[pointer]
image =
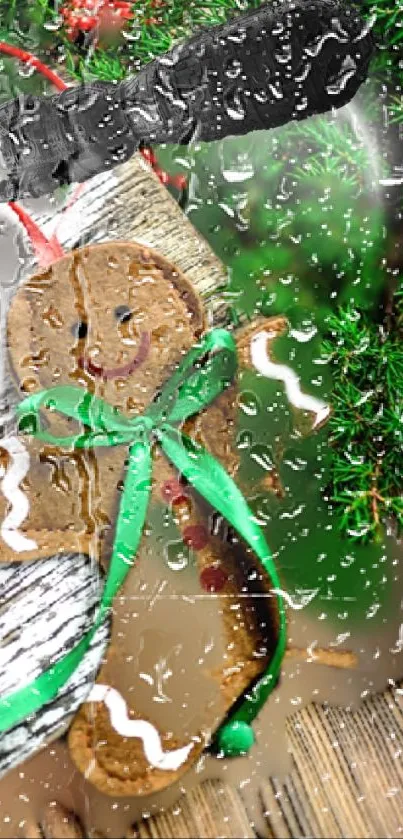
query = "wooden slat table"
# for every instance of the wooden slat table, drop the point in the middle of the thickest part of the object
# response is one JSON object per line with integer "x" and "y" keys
{"x": 347, "y": 774}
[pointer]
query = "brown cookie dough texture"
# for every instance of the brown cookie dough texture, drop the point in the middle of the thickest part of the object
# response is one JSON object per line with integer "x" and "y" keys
{"x": 116, "y": 319}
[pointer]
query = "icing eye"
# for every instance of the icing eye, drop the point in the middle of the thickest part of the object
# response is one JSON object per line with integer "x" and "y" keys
{"x": 80, "y": 329}
{"x": 123, "y": 314}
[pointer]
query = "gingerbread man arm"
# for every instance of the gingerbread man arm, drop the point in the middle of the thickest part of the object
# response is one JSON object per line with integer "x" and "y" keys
{"x": 271, "y": 327}
{"x": 254, "y": 345}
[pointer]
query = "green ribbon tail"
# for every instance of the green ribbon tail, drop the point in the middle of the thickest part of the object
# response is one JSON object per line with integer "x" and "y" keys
{"x": 26, "y": 701}
{"x": 211, "y": 480}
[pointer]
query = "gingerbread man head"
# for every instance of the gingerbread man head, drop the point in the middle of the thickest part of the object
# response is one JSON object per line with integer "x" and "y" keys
{"x": 114, "y": 319}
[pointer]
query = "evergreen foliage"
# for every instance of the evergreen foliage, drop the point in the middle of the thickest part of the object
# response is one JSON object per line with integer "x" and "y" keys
{"x": 366, "y": 430}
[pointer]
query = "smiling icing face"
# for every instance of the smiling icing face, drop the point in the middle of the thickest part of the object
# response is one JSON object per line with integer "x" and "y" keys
{"x": 113, "y": 319}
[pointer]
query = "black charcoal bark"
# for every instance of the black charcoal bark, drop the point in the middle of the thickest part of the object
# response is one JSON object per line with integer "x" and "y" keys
{"x": 284, "y": 61}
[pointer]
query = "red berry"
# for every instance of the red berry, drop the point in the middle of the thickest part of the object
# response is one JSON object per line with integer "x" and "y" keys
{"x": 212, "y": 579}
{"x": 173, "y": 491}
{"x": 196, "y": 536}
{"x": 86, "y": 15}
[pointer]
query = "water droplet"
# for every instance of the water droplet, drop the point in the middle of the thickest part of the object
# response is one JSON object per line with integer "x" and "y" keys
{"x": 131, "y": 34}
{"x": 239, "y": 174}
{"x": 249, "y": 404}
{"x": 26, "y": 70}
{"x": 299, "y": 598}
{"x": 233, "y": 103}
{"x": 176, "y": 556}
{"x": 233, "y": 68}
{"x": 303, "y": 336}
{"x": 262, "y": 456}
{"x": 54, "y": 24}
{"x": 244, "y": 440}
{"x": 347, "y": 70}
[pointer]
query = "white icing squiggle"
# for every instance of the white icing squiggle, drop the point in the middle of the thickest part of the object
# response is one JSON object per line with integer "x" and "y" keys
{"x": 282, "y": 373}
{"x": 145, "y": 731}
{"x": 10, "y": 487}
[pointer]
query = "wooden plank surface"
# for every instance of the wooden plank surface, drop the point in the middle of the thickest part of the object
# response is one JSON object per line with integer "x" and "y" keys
{"x": 346, "y": 781}
{"x": 347, "y": 775}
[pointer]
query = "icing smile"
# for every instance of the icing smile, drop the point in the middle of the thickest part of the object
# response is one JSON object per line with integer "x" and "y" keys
{"x": 119, "y": 372}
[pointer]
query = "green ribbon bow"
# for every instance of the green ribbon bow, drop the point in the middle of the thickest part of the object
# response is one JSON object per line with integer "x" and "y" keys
{"x": 203, "y": 374}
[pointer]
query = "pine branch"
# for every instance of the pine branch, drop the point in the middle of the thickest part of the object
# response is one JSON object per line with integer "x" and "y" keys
{"x": 365, "y": 428}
